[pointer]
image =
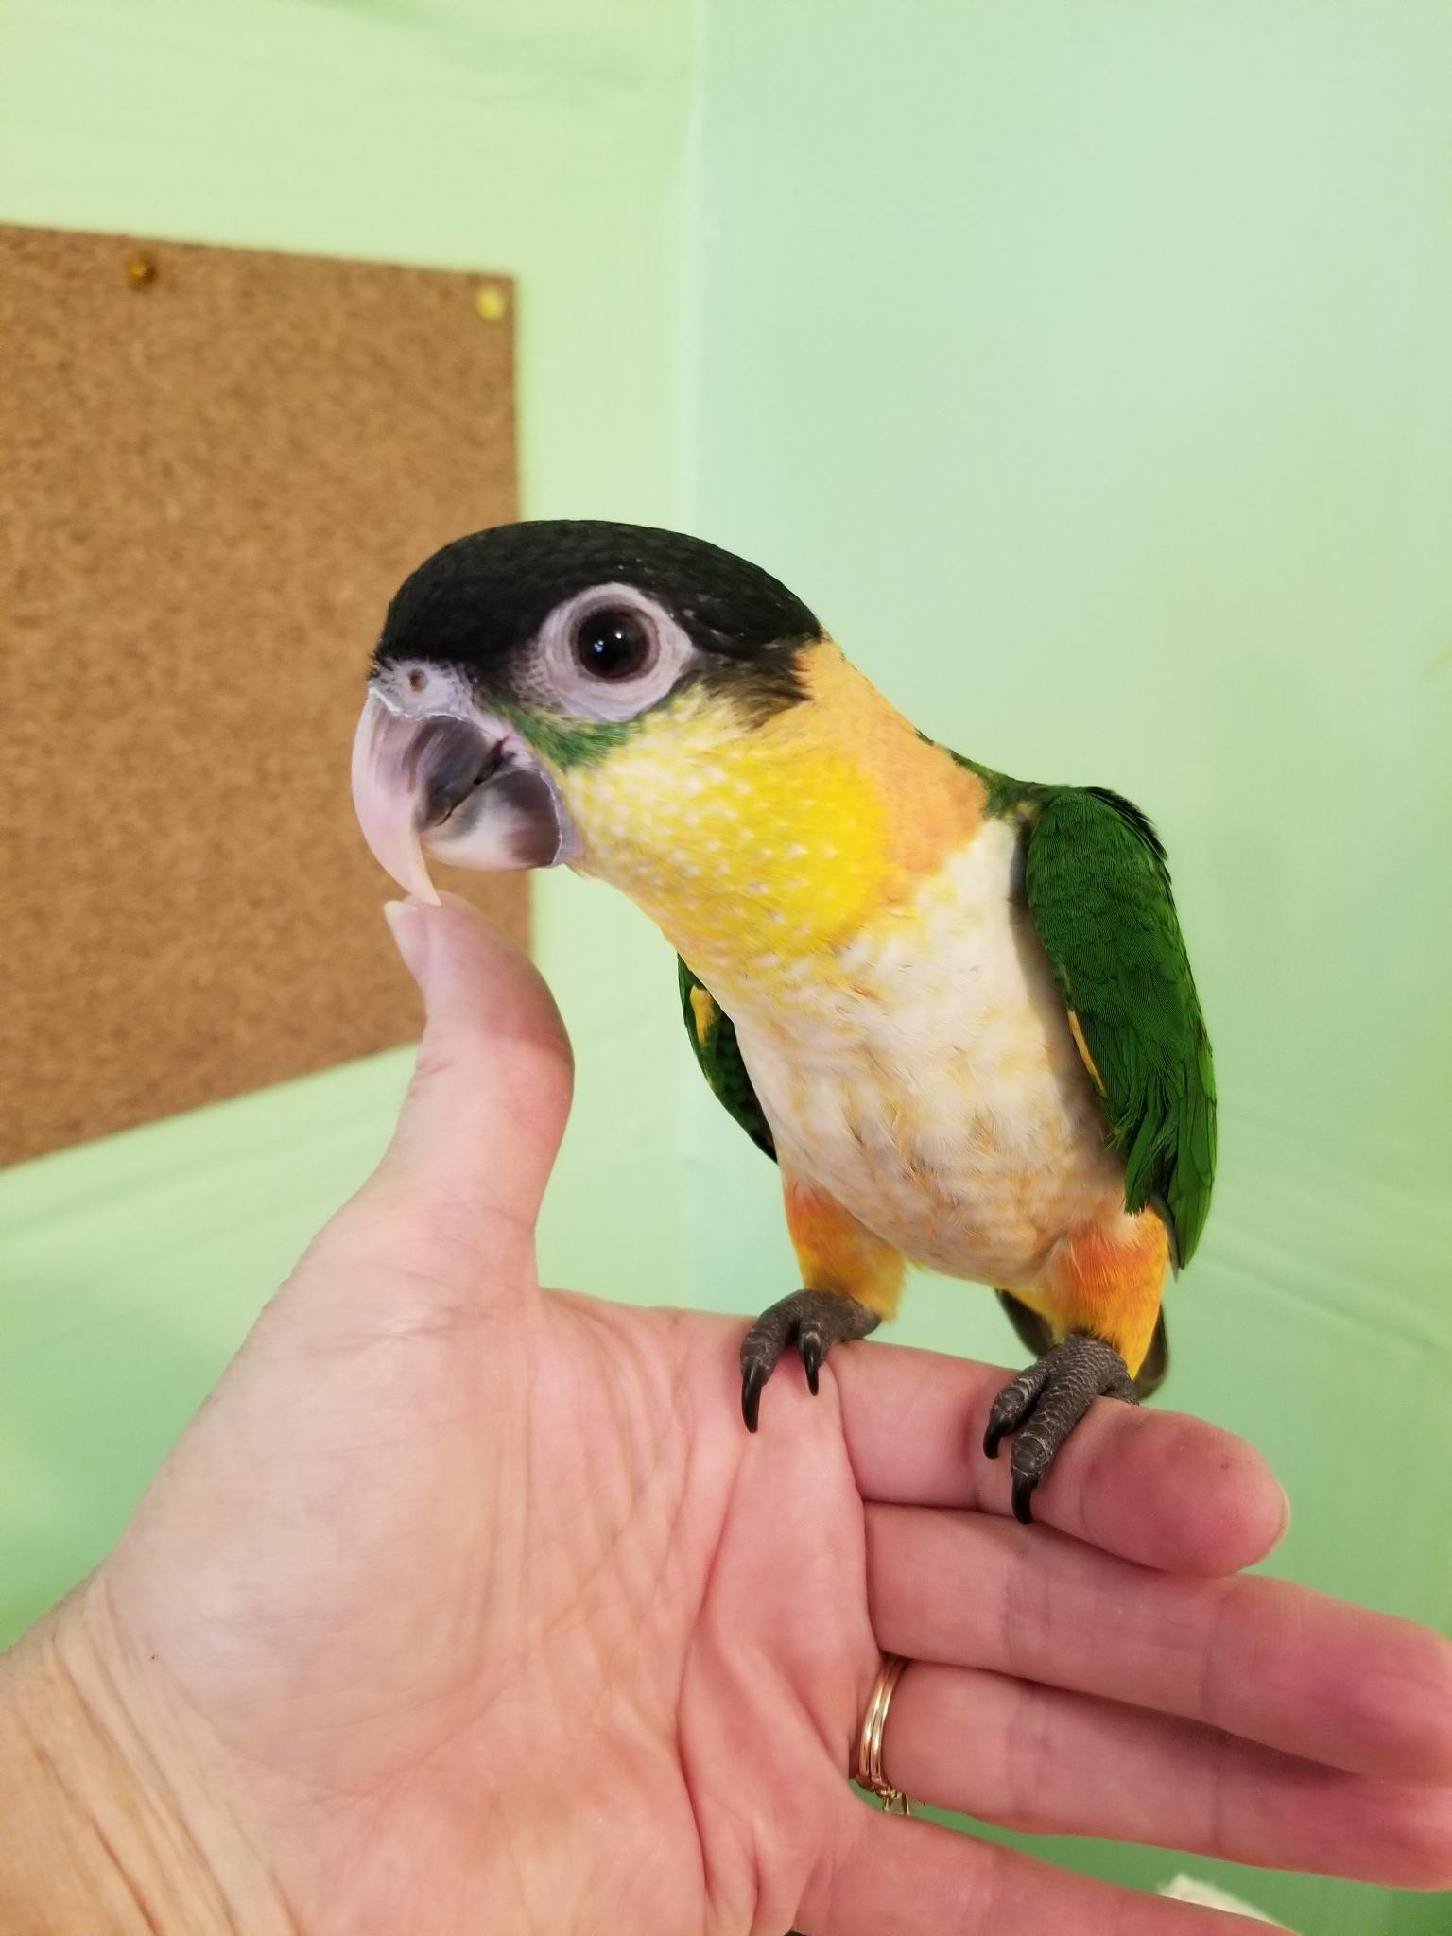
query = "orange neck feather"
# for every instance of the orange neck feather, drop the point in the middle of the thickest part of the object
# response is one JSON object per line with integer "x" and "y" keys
{"x": 753, "y": 848}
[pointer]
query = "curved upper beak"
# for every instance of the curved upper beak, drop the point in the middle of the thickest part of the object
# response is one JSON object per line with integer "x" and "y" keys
{"x": 462, "y": 785}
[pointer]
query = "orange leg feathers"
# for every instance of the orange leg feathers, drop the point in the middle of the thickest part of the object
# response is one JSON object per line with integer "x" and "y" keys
{"x": 850, "y": 1279}
{"x": 836, "y": 1254}
{"x": 1108, "y": 1281}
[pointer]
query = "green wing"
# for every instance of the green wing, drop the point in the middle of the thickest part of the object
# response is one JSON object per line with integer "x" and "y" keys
{"x": 1099, "y": 893}
{"x": 713, "y": 1037}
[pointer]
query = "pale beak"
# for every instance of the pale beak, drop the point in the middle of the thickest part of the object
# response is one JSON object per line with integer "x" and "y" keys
{"x": 461, "y": 784}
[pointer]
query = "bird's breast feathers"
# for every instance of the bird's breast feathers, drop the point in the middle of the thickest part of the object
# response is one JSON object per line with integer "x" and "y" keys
{"x": 925, "y": 1075}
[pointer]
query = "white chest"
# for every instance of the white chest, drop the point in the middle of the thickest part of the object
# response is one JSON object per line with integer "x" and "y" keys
{"x": 927, "y": 1080}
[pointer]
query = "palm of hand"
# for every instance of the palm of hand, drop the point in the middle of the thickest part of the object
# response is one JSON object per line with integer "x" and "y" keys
{"x": 479, "y": 1608}
{"x": 685, "y": 1609}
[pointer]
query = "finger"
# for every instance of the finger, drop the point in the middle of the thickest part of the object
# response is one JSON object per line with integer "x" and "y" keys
{"x": 481, "y": 1124}
{"x": 1157, "y": 1487}
{"x": 1262, "y": 1659}
{"x": 905, "y": 1877}
{"x": 1045, "y": 1762}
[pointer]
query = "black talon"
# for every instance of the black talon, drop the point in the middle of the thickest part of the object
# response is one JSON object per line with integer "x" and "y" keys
{"x": 1043, "y": 1404}
{"x": 814, "y": 1321}
{"x": 753, "y": 1383}
{"x": 1013, "y": 1405}
{"x": 810, "y": 1346}
{"x": 1024, "y": 1486}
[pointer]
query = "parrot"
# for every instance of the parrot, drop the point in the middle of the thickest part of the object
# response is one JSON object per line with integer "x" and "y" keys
{"x": 955, "y": 1008}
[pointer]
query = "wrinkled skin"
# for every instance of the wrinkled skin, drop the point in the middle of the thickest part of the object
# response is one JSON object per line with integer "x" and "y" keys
{"x": 473, "y": 1607}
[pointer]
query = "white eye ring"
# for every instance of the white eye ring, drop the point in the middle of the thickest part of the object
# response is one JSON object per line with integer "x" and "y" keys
{"x": 567, "y": 679}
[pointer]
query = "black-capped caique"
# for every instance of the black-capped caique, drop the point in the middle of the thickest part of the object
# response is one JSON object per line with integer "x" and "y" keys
{"x": 955, "y": 1007}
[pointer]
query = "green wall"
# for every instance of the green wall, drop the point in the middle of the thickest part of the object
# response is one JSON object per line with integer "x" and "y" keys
{"x": 1086, "y": 366}
{"x": 548, "y": 138}
{"x": 1089, "y": 368}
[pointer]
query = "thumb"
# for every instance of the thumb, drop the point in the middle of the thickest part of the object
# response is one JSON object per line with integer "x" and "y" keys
{"x": 482, "y": 1121}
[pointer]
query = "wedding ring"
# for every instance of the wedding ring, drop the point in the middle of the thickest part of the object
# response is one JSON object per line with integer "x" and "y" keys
{"x": 869, "y": 1741}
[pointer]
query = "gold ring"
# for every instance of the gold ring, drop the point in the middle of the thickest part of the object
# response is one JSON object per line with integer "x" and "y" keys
{"x": 869, "y": 1741}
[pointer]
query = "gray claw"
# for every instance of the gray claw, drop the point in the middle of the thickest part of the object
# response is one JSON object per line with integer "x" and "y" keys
{"x": 810, "y": 1346}
{"x": 814, "y": 1321}
{"x": 1043, "y": 1405}
{"x": 754, "y": 1375}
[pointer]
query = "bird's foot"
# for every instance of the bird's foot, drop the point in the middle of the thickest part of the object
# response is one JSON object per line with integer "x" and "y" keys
{"x": 1042, "y": 1406}
{"x": 812, "y": 1320}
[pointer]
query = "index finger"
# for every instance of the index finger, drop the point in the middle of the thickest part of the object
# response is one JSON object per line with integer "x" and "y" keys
{"x": 1160, "y": 1488}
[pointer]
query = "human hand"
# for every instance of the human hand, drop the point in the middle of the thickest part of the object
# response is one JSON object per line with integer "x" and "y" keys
{"x": 462, "y": 1605}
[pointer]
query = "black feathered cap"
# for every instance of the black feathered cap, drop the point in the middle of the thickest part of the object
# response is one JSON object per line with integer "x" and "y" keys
{"x": 479, "y": 600}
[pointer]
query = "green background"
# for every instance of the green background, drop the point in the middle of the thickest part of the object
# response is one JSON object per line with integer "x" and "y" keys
{"x": 1089, "y": 368}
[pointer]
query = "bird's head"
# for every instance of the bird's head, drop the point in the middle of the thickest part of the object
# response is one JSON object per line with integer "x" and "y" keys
{"x": 538, "y": 685}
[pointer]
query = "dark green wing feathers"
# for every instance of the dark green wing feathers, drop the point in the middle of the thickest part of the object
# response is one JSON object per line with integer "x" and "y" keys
{"x": 1099, "y": 893}
{"x": 713, "y": 1037}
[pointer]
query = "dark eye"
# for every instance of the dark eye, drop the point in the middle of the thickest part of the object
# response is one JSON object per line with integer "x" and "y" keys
{"x": 613, "y": 643}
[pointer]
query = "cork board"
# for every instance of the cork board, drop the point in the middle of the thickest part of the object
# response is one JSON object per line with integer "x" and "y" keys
{"x": 215, "y": 467}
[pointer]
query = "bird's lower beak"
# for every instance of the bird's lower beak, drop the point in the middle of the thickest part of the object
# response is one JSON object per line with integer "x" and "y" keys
{"x": 465, "y": 787}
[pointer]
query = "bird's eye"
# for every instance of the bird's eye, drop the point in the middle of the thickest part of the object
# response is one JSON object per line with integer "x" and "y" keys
{"x": 611, "y": 652}
{"x": 613, "y": 643}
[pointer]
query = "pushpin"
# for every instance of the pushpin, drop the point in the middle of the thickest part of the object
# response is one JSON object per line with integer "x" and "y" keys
{"x": 491, "y": 303}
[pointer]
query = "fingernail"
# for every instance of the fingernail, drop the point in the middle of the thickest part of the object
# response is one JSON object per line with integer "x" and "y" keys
{"x": 410, "y": 930}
